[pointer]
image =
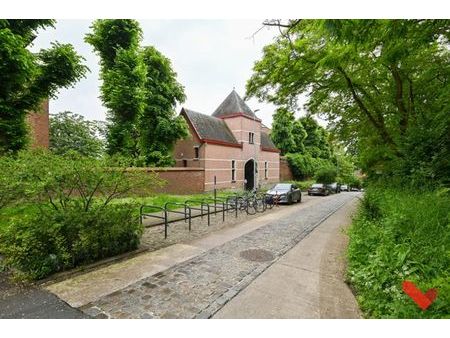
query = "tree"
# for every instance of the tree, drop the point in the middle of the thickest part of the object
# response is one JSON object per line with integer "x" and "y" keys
{"x": 282, "y": 130}
{"x": 159, "y": 127}
{"x": 382, "y": 84}
{"x": 123, "y": 74}
{"x": 27, "y": 78}
{"x": 326, "y": 175}
{"x": 140, "y": 91}
{"x": 299, "y": 134}
{"x": 69, "y": 131}
{"x": 316, "y": 141}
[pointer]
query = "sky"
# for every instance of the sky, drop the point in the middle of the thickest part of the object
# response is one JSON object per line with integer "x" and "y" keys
{"x": 211, "y": 57}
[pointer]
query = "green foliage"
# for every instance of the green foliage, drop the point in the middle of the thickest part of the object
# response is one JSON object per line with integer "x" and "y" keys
{"x": 141, "y": 92}
{"x": 282, "y": 131}
{"x": 316, "y": 141}
{"x": 326, "y": 175}
{"x": 39, "y": 244}
{"x": 382, "y": 85}
{"x": 159, "y": 127}
{"x": 27, "y": 78}
{"x": 400, "y": 234}
{"x": 63, "y": 214}
{"x": 305, "y": 166}
{"x": 71, "y": 132}
{"x": 299, "y": 134}
{"x": 123, "y": 76}
{"x": 303, "y": 185}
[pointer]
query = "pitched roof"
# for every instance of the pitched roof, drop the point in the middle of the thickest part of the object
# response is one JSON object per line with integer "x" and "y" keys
{"x": 266, "y": 142}
{"x": 210, "y": 128}
{"x": 233, "y": 104}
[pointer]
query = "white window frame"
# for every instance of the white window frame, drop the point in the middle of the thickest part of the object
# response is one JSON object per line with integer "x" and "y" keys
{"x": 251, "y": 138}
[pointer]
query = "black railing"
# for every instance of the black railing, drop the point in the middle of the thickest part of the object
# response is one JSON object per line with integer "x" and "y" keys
{"x": 248, "y": 202}
{"x": 196, "y": 202}
{"x": 146, "y": 215}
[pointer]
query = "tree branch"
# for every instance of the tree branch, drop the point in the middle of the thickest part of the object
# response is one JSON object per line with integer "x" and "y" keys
{"x": 399, "y": 98}
{"x": 378, "y": 124}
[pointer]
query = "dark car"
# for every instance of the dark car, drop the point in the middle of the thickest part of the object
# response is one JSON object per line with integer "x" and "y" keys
{"x": 285, "y": 193}
{"x": 335, "y": 188}
{"x": 319, "y": 189}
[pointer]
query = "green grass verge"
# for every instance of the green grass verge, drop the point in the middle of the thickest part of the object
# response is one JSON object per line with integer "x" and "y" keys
{"x": 400, "y": 235}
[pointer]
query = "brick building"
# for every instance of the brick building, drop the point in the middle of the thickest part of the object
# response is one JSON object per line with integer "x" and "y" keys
{"x": 39, "y": 126}
{"x": 232, "y": 146}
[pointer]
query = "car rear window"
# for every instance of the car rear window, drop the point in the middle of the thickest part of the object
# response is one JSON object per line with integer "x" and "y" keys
{"x": 282, "y": 187}
{"x": 317, "y": 185}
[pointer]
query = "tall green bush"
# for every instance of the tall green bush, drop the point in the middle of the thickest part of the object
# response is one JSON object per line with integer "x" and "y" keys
{"x": 305, "y": 166}
{"x": 326, "y": 175}
{"x": 64, "y": 215}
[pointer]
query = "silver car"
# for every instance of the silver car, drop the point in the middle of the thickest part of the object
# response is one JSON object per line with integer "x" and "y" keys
{"x": 285, "y": 193}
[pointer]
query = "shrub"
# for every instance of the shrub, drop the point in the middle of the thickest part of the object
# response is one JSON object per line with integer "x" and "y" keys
{"x": 66, "y": 216}
{"x": 39, "y": 244}
{"x": 304, "y": 166}
{"x": 400, "y": 235}
{"x": 326, "y": 175}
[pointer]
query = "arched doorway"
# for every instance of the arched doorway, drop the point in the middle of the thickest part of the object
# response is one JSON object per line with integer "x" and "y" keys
{"x": 249, "y": 174}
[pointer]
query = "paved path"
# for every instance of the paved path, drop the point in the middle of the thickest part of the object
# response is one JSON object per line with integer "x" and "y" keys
{"x": 211, "y": 272}
{"x": 307, "y": 282}
{"x": 30, "y": 302}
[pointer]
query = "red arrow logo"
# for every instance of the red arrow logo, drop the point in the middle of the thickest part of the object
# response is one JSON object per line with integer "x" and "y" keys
{"x": 423, "y": 300}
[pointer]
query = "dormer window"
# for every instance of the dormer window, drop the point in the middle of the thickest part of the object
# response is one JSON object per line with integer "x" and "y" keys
{"x": 251, "y": 138}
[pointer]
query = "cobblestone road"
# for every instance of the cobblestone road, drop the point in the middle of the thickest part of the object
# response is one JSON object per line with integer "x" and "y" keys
{"x": 199, "y": 287}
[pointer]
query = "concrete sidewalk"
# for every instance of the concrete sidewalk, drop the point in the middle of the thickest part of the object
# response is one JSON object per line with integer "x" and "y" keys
{"x": 307, "y": 282}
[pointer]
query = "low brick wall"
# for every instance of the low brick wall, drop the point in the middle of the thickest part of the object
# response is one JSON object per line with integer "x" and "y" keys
{"x": 178, "y": 180}
{"x": 285, "y": 170}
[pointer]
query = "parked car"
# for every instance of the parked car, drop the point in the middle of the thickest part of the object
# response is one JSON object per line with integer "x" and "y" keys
{"x": 286, "y": 192}
{"x": 354, "y": 189}
{"x": 345, "y": 187}
{"x": 319, "y": 189}
{"x": 335, "y": 187}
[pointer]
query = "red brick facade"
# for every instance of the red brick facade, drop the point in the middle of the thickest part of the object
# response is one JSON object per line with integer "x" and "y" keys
{"x": 180, "y": 181}
{"x": 285, "y": 170}
{"x": 231, "y": 145}
{"x": 39, "y": 127}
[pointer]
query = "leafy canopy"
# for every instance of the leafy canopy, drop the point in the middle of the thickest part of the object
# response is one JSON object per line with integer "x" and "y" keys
{"x": 27, "y": 78}
{"x": 71, "y": 132}
{"x": 140, "y": 90}
{"x": 382, "y": 84}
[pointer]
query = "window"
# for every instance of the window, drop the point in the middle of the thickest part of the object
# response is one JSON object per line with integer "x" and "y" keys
{"x": 266, "y": 169}
{"x": 233, "y": 171}
{"x": 184, "y": 163}
{"x": 196, "y": 153}
{"x": 251, "y": 138}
